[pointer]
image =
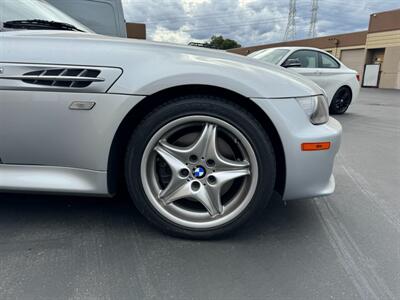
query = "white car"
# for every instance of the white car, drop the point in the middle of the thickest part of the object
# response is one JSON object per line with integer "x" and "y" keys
{"x": 200, "y": 138}
{"x": 340, "y": 83}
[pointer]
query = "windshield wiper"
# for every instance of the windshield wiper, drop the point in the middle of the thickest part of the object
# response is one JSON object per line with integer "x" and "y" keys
{"x": 36, "y": 24}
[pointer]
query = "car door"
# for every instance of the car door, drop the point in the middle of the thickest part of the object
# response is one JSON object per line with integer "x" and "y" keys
{"x": 330, "y": 73}
{"x": 309, "y": 64}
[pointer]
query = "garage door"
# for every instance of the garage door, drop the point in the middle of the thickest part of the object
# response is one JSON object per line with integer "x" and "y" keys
{"x": 354, "y": 59}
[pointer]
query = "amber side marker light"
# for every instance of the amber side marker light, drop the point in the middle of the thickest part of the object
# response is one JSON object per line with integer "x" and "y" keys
{"x": 315, "y": 146}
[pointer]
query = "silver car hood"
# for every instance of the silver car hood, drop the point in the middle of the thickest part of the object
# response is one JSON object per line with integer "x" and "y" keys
{"x": 160, "y": 65}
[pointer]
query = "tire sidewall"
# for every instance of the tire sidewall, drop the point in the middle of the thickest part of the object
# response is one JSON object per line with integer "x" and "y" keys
{"x": 209, "y": 106}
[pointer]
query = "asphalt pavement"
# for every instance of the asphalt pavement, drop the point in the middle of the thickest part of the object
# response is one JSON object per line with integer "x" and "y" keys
{"x": 344, "y": 246}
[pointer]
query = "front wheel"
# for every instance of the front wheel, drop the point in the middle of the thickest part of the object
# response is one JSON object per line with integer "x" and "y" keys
{"x": 200, "y": 167}
{"x": 341, "y": 101}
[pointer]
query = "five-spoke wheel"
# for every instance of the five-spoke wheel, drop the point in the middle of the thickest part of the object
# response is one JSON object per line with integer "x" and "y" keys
{"x": 198, "y": 171}
{"x": 205, "y": 159}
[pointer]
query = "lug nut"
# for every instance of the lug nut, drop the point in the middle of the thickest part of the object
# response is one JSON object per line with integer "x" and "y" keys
{"x": 195, "y": 186}
{"x": 210, "y": 163}
{"x": 184, "y": 172}
{"x": 193, "y": 158}
{"x": 211, "y": 179}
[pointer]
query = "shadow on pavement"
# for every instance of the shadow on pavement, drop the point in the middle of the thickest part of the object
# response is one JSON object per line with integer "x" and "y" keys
{"x": 43, "y": 212}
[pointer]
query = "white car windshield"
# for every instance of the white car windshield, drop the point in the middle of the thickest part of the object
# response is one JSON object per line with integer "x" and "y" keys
{"x": 272, "y": 56}
{"x": 18, "y": 10}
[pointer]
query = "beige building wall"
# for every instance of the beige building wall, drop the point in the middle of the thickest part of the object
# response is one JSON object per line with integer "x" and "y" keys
{"x": 383, "y": 39}
{"x": 390, "y": 71}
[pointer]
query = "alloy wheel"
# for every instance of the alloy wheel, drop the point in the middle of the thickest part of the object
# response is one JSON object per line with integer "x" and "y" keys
{"x": 199, "y": 171}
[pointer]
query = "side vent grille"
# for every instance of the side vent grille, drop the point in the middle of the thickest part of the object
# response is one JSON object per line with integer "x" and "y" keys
{"x": 69, "y": 78}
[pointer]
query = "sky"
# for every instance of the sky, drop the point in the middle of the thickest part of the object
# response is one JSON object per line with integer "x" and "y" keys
{"x": 249, "y": 22}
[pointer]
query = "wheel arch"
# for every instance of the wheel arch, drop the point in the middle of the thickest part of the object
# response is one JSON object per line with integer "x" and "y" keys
{"x": 121, "y": 138}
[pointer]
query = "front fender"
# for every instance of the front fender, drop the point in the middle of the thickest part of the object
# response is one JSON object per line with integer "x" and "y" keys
{"x": 248, "y": 78}
{"x": 160, "y": 84}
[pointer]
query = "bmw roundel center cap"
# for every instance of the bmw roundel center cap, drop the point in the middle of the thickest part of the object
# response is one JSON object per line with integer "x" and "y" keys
{"x": 199, "y": 172}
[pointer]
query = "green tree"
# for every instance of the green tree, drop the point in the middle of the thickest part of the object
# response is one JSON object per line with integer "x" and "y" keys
{"x": 219, "y": 42}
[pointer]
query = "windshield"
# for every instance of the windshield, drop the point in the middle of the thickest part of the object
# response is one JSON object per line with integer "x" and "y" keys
{"x": 12, "y": 10}
{"x": 272, "y": 56}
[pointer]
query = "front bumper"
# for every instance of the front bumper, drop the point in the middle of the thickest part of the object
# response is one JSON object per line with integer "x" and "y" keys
{"x": 308, "y": 173}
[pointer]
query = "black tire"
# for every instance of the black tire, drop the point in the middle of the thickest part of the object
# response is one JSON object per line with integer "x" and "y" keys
{"x": 217, "y": 108}
{"x": 341, "y": 101}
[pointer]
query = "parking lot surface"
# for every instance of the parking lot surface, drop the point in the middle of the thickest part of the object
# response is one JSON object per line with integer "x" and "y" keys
{"x": 344, "y": 246}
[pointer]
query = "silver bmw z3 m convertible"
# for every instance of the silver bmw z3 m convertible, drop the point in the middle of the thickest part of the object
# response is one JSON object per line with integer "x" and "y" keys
{"x": 200, "y": 138}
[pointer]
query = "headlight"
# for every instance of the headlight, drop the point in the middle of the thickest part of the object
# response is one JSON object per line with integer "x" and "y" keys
{"x": 316, "y": 108}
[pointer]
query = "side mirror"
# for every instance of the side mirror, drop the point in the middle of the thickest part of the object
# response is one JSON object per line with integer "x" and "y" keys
{"x": 292, "y": 63}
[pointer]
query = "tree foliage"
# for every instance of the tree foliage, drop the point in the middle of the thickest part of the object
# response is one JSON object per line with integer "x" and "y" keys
{"x": 219, "y": 42}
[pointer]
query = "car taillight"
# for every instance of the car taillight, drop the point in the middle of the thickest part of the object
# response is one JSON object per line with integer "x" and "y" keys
{"x": 358, "y": 77}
